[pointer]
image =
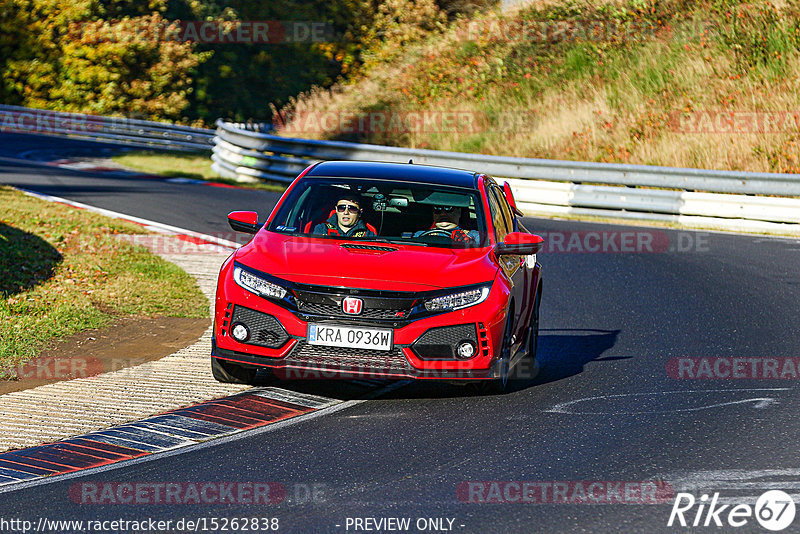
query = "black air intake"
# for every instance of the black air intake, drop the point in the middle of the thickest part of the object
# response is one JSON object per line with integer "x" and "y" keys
{"x": 265, "y": 330}
{"x": 440, "y": 343}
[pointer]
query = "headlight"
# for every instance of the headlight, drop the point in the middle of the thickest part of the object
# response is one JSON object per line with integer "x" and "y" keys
{"x": 456, "y": 301}
{"x": 257, "y": 285}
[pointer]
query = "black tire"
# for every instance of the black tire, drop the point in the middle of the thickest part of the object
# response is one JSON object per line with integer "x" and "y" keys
{"x": 231, "y": 373}
{"x": 533, "y": 341}
{"x": 528, "y": 368}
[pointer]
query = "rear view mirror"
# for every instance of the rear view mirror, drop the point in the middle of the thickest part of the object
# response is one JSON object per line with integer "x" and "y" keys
{"x": 519, "y": 244}
{"x": 244, "y": 221}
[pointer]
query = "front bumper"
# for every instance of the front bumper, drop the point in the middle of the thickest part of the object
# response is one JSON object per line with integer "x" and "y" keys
{"x": 416, "y": 352}
{"x": 301, "y": 367}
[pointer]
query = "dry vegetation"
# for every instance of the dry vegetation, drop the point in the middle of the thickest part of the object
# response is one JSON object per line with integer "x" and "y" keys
{"x": 661, "y": 83}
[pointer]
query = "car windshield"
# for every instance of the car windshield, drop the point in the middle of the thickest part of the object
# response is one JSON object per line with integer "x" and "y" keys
{"x": 383, "y": 211}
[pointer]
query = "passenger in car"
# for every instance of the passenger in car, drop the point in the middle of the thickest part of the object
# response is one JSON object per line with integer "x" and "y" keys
{"x": 346, "y": 221}
{"x": 445, "y": 222}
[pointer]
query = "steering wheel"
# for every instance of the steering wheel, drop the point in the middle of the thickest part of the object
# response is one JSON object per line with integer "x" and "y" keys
{"x": 435, "y": 231}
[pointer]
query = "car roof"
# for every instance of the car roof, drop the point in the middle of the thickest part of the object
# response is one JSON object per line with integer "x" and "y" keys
{"x": 426, "y": 174}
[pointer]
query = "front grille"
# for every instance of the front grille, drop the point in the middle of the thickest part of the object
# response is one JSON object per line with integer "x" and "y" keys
{"x": 265, "y": 330}
{"x": 344, "y": 359}
{"x": 335, "y": 311}
{"x": 440, "y": 343}
{"x": 324, "y": 301}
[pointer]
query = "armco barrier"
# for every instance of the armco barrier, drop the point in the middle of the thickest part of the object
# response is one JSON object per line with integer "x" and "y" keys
{"x": 120, "y": 130}
{"x": 739, "y": 201}
{"x": 726, "y": 199}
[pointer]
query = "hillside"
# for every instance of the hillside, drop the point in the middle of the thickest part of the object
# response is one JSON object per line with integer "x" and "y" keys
{"x": 708, "y": 84}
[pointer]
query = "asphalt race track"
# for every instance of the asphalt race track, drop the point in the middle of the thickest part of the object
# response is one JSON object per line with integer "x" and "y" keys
{"x": 624, "y": 328}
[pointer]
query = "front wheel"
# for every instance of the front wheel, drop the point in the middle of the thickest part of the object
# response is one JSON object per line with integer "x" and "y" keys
{"x": 530, "y": 365}
{"x": 533, "y": 340}
{"x": 231, "y": 373}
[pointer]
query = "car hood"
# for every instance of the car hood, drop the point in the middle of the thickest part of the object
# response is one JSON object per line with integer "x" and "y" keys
{"x": 322, "y": 261}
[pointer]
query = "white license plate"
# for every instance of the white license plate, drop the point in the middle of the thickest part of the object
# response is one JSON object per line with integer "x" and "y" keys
{"x": 350, "y": 337}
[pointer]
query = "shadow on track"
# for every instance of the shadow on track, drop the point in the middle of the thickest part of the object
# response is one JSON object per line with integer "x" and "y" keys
{"x": 562, "y": 353}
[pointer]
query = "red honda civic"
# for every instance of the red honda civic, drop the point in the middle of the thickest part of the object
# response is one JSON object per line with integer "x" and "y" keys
{"x": 381, "y": 270}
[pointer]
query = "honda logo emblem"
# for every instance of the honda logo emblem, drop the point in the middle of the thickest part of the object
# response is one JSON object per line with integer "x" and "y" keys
{"x": 352, "y": 305}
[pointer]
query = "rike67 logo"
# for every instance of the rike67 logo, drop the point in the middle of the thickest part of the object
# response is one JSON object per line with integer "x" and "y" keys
{"x": 774, "y": 510}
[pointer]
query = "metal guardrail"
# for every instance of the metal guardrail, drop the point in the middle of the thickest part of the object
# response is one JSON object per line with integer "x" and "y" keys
{"x": 725, "y": 199}
{"x": 744, "y": 201}
{"x": 119, "y": 130}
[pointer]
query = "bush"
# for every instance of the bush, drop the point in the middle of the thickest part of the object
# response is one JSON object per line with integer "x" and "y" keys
{"x": 759, "y": 35}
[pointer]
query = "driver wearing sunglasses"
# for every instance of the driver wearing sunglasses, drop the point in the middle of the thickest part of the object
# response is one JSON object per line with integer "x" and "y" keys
{"x": 346, "y": 221}
{"x": 445, "y": 223}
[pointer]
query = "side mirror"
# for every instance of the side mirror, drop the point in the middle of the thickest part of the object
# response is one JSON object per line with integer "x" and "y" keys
{"x": 519, "y": 244}
{"x": 510, "y": 198}
{"x": 244, "y": 221}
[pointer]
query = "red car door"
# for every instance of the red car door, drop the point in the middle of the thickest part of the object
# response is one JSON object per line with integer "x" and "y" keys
{"x": 514, "y": 267}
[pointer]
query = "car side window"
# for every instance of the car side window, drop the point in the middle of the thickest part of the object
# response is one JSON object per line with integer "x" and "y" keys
{"x": 508, "y": 214}
{"x": 499, "y": 220}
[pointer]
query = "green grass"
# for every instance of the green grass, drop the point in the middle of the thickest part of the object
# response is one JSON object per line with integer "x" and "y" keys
{"x": 63, "y": 270}
{"x": 579, "y": 63}
{"x": 195, "y": 165}
{"x": 173, "y": 164}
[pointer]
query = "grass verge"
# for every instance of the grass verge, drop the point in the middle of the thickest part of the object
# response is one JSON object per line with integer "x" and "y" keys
{"x": 195, "y": 165}
{"x": 63, "y": 270}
